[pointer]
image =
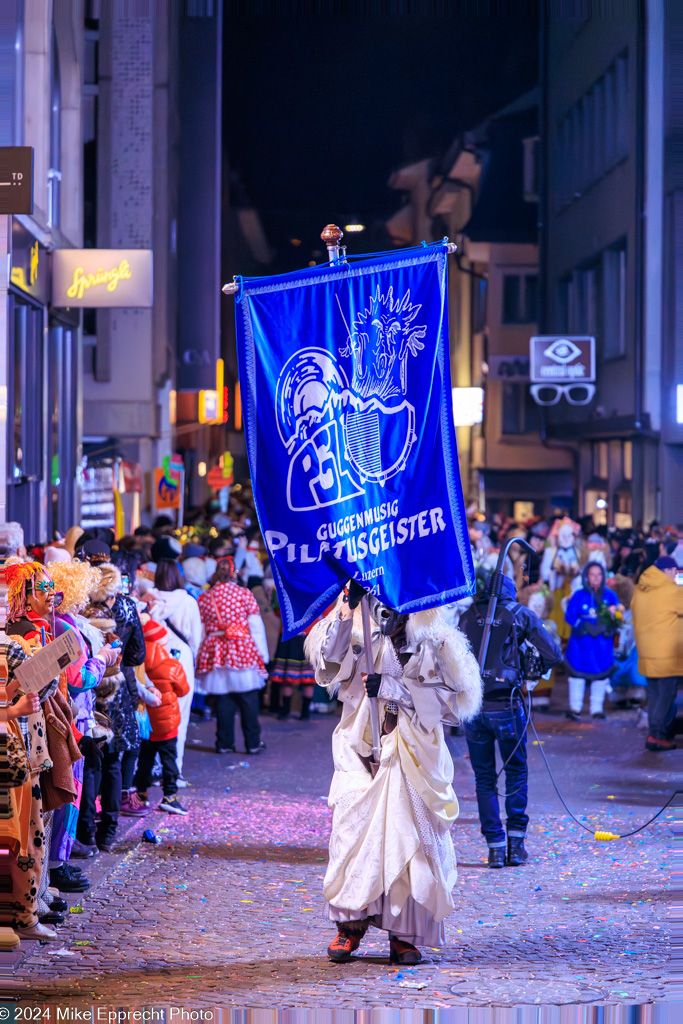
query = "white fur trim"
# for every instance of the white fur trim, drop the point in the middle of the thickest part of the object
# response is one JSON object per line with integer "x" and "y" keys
{"x": 454, "y": 653}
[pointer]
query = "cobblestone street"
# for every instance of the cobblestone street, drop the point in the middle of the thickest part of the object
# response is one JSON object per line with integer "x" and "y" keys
{"x": 228, "y": 910}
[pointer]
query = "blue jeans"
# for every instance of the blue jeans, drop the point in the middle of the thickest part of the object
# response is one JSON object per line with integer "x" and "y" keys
{"x": 506, "y": 727}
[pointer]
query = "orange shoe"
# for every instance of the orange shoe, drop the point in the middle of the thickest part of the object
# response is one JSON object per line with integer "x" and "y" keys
{"x": 344, "y": 946}
{"x": 403, "y": 952}
{"x": 653, "y": 743}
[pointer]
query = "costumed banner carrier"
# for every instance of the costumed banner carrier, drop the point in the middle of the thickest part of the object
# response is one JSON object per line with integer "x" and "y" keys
{"x": 345, "y": 380}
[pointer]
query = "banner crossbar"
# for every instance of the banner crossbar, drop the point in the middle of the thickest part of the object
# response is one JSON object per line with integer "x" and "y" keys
{"x": 235, "y": 286}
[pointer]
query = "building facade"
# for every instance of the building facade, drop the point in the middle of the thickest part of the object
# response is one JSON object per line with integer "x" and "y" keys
{"x": 483, "y": 195}
{"x": 155, "y": 181}
{"x": 129, "y": 353}
{"x": 612, "y": 173}
{"x": 42, "y": 69}
{"x": 122, "y": 107}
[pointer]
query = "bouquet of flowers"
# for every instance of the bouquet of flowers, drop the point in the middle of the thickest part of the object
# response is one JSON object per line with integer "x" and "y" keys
{"x": 611, "y": 617}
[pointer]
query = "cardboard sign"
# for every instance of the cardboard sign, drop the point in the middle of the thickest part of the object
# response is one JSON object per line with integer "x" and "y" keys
{"x": 167, "y": 493}
{"x": 221, "y": 476}
{"x": 132, "y": 477}
{"x": 217, "y": 480}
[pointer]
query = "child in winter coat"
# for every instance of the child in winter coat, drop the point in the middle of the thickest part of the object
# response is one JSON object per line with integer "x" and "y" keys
{"x": 168, "y": 676}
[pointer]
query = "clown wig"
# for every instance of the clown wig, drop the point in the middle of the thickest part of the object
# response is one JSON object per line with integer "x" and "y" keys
{"x": 76, "y": 580}
{"x": 109, "y": 585}
{"x": 18, "y": 576}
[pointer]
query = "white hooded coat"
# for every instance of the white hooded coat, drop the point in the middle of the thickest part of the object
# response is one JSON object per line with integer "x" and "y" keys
{"x": 391, "y": 853}
{"x": 177, "y": 608}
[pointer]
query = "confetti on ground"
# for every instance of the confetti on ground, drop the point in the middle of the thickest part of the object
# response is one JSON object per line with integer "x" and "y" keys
{"x": 235, "y": 891}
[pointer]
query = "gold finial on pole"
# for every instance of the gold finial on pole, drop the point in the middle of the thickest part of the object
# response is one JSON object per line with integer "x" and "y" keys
{"x": 332, "y": 236}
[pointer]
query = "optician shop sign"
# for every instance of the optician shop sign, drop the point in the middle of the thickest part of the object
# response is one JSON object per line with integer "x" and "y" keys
{"x": 101, "y": 278}
{"x": 559, "y": 359}
{"x": 562, "y": 367}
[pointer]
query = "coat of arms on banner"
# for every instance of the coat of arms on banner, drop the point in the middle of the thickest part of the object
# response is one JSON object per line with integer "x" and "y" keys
{"x": 339, "y": 434}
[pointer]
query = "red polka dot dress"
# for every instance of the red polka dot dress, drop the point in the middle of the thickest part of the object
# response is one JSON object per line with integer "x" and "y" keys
{"x": 228, "y": 659}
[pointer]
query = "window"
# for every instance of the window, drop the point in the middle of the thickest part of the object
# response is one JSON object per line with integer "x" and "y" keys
{"x": 620, "y": 72}
{"x": 627, "y": 460}
{"x": 600, "y": 459}
{"x": 520, "y": 298}
{"x": 587, "y": 120}
{"x": 63, "y": 437}
{"x": 614, "y": 303}
{"x": 89, "y": 108}
{"x": 583, "y": 301}
{"x": 27, "y": 426}
{"x": 593, "y": 301}
{"x": 479, "y": 290}
{"x": 623, "y": 508}
{"x": 54, "y": 173}
{"x": 592, "y": 137}
{"x": 562, "y": 305}
{"x": 531, "y": 157}
{"x": 520, "y": 412}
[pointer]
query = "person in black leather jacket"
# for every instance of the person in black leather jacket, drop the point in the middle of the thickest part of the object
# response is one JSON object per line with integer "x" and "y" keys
{"x": 503, "y": 720}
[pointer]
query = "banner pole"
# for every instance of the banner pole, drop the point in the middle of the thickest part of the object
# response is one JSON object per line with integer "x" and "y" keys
{"x": 181, "y": 506}
{"x": 332, "y": 236}
{"x": 370, "y": 666}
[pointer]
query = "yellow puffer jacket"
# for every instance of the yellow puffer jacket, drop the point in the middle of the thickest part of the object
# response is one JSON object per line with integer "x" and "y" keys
{"x": 657, "y": 608}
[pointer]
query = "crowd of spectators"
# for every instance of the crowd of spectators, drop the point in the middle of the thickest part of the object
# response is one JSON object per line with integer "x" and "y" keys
{"x": 174, "y": 622}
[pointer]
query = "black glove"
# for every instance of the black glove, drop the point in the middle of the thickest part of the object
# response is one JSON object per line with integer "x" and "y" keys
{"x": 90, "y": 750}
{"x": 354, "y": 594}
{"x": 372, "y": 684}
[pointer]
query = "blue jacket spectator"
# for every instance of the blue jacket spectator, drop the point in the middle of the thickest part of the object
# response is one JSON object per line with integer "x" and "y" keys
{"x": 590, "y": 652}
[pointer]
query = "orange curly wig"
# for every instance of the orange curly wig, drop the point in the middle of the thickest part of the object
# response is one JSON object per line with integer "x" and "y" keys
{"x": 17, "y": 576}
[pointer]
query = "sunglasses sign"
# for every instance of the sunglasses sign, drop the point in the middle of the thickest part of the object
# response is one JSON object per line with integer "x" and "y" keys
{"x": 561, "y": 366}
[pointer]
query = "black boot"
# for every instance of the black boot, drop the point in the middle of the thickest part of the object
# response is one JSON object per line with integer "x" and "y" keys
{"x": 274, "y": 699}
{"x": 51, "y": 918}
{"x": 516, "y": 853}
{"x": 285, "y": 708}
{"x": 402, "y": 952}
{"x": 66, "y": 880}
{"x": 496, "y": 856}
{"x": 305, "y": 709}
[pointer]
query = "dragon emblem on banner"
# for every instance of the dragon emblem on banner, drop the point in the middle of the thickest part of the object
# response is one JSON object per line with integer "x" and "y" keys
{"x": 341, "y": 433}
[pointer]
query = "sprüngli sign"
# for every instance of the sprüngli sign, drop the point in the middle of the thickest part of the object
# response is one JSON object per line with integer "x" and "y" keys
{"x": 100, "y": 278}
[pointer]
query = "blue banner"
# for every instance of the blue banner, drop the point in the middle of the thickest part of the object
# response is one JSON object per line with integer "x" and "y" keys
{"x": 345, "y": 380}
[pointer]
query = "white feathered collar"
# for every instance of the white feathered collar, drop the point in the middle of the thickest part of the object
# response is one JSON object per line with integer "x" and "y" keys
{"x": 451, "y": 650}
